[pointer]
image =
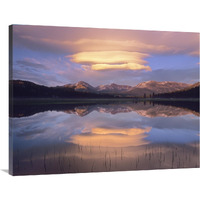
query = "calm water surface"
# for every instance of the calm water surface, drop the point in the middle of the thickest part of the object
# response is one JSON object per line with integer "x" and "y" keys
{"x": 111, "y": 137}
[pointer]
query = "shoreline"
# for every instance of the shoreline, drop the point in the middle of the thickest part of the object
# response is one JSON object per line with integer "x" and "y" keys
{"x": 17, "y": 101}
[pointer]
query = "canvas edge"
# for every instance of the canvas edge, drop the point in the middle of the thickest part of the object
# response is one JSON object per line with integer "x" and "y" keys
{"x": 10, "y": 99}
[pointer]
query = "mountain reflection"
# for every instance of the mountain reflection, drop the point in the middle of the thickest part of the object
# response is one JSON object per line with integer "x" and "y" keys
{"x": 141, "y": 109}
{"x": 146, "y": 109}
{"x": 108, "y": 137}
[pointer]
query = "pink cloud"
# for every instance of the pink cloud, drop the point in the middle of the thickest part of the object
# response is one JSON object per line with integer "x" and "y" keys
{"x": 74, "y": 40}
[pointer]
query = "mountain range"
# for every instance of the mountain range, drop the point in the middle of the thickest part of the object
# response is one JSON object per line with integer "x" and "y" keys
{"x": 19, "y": 88}
{"x": 147, "y": 88}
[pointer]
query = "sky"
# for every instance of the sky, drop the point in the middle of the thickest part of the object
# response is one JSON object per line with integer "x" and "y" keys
{"x": 52, "y": 56}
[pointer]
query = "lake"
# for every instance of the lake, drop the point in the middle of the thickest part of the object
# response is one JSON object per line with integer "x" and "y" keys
{"x": 103, "y": 137}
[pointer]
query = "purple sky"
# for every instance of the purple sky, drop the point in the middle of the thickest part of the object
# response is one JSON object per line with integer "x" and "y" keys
{"x": 59, "y": 55}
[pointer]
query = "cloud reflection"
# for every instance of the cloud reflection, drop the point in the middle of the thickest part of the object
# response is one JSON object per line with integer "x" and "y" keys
{"x": 109, "y": 137}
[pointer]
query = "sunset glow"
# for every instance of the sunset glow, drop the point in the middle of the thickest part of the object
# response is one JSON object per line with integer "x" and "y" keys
{"x": 128, "y": 66}
{"x": 115, "y": 60}
{"x": 58, "y": 55}
{"x": 130, "y": 131}
{"x": 112, "y": 137}
{"x": 109, "y": 57}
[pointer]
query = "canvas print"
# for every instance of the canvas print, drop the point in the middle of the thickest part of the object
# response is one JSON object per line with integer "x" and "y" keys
{"x": 99, "y": 100}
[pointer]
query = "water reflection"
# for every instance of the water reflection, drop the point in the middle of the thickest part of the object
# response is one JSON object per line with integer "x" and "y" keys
{"x": 147, "y": 109}
{"x": 144, "y": 110}
{"x": 108, "y": 137}
{"x": 105, "y": 138}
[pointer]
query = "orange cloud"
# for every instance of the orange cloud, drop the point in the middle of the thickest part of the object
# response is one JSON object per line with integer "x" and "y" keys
{"x": 128, "y": 66}
{"x": 85, "y": 44}
{"x": 106, "y": 60}
{"x": 108, "y": 57}
{"x": 112, "y": 137}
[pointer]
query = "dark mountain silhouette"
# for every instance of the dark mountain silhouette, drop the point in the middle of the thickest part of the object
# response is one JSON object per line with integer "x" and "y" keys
{"x": 27, "y": 89}
{"x": 192, "y": 92}
{"x": 24, "y": 89}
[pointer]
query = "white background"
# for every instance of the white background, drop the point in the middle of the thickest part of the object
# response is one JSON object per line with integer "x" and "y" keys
{"x": 170, "y": 15}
